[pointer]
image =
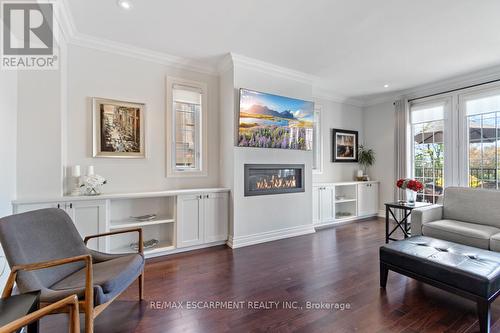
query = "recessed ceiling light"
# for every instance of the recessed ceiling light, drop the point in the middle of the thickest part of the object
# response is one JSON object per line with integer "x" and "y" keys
{"x": 386, "y": 86}
{"x": 125, "y": 4}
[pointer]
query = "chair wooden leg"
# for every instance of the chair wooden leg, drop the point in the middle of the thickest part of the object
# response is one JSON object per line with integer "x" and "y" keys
{"x": 74, "y": 318}
{"x": 141, "y": 286}
{"x": 89, "y": 318}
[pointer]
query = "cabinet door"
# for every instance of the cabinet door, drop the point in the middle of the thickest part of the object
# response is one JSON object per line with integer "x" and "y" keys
{"x": 90, "y": 219}
{"x": 326, "y": 211}
{"x": 215, "y": 217}
{"x": 315, "y": 203}
{"x": 367, "y": 199}
{"x": 189, "y": 220}
{"x": 17, "y": 209}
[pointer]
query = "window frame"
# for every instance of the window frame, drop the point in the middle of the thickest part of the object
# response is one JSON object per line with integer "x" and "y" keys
{"x": 318, "y": 149}
{"x": 201, "y": 132}
{"x": 447, "y": 103}
{"x": 463, "y": 98}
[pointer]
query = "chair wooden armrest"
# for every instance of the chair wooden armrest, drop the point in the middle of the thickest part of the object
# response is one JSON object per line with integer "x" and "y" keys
{"x": 89, "y": 289}
{"x": 74, "y": 319}
{"x": 139, "y": 230}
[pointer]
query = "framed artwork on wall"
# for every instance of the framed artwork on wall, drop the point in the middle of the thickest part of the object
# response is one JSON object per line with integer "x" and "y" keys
{"x": 118, "y": 129}
{"x": 344, "y": 145}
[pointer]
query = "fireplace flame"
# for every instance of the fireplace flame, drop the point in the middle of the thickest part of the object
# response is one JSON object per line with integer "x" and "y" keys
{"x": 276, "y": 182}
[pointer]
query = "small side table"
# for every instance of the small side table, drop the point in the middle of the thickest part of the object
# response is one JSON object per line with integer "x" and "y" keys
{"x": 17, "y": 306}
{"x": 402, "y": 223}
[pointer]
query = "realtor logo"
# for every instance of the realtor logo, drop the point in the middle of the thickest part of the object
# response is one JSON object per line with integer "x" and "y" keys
{"x": 28, "y": 36}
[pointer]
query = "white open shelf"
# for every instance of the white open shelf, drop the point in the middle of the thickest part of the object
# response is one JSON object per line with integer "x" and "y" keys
{"x": 161, "y": 247}
{"x": 345, "y": 209}
{"x": 133, "y": 223}
{"x": 164, "y": 233}
{"x": 345, "y": 200}
{"x": 162, "y": 228}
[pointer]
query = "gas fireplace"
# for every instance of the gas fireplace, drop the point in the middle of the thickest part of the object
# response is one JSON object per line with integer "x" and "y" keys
{"x": 262, "y": 179}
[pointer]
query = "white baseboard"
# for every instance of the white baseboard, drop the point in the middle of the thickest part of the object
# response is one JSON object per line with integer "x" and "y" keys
{"x": 184, "y": 249}
{"x": 241, "y": 241}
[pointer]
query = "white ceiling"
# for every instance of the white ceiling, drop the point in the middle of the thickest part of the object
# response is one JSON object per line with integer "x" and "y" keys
{"x": 354, "y": 46}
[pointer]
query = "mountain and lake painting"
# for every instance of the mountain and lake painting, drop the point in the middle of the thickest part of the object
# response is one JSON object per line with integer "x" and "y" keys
{"x": 271, "y": 121}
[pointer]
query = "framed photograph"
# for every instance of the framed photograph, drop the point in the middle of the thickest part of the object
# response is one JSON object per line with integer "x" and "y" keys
{"x": 118, "y": 129}
{"x": 344, "y": 145}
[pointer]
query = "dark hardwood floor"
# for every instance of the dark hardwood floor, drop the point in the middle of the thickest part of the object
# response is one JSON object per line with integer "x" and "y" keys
{"x": 333, "y": 265}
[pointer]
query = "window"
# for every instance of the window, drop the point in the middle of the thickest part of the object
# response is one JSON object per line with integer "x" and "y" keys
{"x": 317, "y": 143}
{"x": 482, "y": 112}
{"x": 186, "y": 120}
{"x": 428, "y": 148}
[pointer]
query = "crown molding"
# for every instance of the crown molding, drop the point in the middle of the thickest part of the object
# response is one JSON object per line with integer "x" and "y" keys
{"x": 225, "y": 64}
{"x": 74, "y": 37}
{"x": 268, "y": 68}
{"x": 321, "y": 93}
{"x": 441, "y": 86}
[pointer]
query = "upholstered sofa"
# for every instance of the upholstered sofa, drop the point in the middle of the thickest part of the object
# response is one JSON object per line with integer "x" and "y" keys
{"x": 466, "y": 216}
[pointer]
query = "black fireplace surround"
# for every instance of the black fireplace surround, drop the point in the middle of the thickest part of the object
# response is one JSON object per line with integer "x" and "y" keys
{"x": 264, "y": 179}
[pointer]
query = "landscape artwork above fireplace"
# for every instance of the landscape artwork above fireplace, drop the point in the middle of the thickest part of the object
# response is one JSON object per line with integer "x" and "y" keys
{"x": 264, "y": 179}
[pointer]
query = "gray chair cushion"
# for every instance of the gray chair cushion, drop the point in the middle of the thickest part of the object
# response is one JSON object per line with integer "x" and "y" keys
{"x": 41, "y": 235}
{"x": 112, "y": 276}
{"x": 472, "y": 205}
{"x": 461, "y": 232}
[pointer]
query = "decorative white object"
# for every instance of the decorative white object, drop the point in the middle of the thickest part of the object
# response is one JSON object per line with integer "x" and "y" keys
{"x": 75, "y": 174}
{"x": 360, "y": 173}
{"x": 75, "y": 171}
{"x": 92, "y": 185}
{"x": 90, "y": 170}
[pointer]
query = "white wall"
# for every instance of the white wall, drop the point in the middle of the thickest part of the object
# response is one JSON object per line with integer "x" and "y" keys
{"x": 39, "y": 138}
{"x": 93, "y": 73}
{"x": 379, "y": 125}
{"x": 8, "y": 142}
{"x": 227, "y": 127}
{"x": 274, "y": 213}
{"x": 341, "y": 116}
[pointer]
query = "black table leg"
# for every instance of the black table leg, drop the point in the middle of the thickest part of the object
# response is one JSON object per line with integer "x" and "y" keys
{"x": 386, "y": 224}
{"x": 34, "y": 326}
{"x": 484, "y": 314}
{"x": 384, "y": 271}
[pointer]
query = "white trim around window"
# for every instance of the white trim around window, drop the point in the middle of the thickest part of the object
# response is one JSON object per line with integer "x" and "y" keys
{"x": 200, "y": 145}
{"x": 317, "y": 166}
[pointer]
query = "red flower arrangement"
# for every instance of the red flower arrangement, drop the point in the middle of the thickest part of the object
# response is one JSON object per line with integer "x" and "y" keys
{"x": 410, "y": 184}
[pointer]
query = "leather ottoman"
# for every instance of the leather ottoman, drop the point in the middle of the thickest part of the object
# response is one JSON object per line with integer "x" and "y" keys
{"x": 463, "y": 270}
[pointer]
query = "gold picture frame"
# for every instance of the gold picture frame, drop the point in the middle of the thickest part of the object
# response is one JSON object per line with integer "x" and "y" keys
{"x": 118, "y": 129}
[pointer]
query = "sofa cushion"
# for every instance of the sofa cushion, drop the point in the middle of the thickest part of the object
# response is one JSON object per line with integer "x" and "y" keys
{"x": 495, "y": 242}
{"x": 113, "y": 276}
{"x": 472, "y": 205}
{"x": 471, "y": 234}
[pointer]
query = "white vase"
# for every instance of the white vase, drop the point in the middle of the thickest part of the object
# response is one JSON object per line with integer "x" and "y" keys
{"x": 411, "y": 196}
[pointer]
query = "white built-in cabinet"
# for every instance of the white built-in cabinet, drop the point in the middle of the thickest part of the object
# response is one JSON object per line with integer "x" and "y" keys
{"x": 185, "y": 219}
{"x": 346, "y": 201}
{"x": 203, "y": 219}
{"x": 89, "y": 217}
{"x": 367, "y": 199}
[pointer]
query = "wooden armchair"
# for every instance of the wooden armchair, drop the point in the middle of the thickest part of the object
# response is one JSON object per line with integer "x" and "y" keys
{"x": 69, "y": 304}
{"x": 46, "y": 253}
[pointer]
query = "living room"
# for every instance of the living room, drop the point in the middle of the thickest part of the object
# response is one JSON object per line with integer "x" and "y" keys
{"x": 264, "y": 166}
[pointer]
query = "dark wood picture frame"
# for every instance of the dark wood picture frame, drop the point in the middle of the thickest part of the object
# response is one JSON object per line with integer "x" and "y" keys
{"x": 335, "y": 146}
